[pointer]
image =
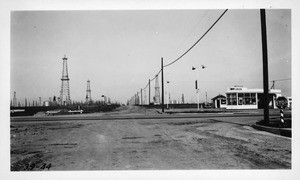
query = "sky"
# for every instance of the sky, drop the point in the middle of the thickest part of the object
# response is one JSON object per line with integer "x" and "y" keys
{"x": 120, "y": 50}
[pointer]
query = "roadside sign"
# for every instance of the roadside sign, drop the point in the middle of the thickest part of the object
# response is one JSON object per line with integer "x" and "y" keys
{"x": 281, "y": 102}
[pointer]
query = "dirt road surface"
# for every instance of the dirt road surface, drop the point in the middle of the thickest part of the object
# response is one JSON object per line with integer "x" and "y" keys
{"x": 206, "y": 143}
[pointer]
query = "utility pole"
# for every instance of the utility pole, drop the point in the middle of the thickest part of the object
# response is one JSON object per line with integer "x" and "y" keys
{"x": 162, "y": 85}
{"x": 265, "y": 64}
{"x": 197, "y": 89}
{"x": 149, "y": 91}
{"x": 141, "y": 97}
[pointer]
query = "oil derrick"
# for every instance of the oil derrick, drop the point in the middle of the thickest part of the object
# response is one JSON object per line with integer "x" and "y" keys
{"x": 65, "y": 89}
{"x": 14, "y": 100}
{"x": 40, "y": 101}
{"x": 145, "y": 96}
{"x": 88, "y": 98}
{"x": 137, "y": 99}
{"x": 182, "y": 99}
{"x": 157, "y": 94}
{"x": 54, "y": 102}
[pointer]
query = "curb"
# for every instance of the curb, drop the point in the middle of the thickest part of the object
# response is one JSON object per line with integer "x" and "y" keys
{"x": 280, "y": 131}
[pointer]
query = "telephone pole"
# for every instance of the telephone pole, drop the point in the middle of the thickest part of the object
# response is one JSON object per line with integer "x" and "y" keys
{"x": 141, "y": 96}
{"x": 149, "y": 92}
{"x": 162, "y": 85}
{"x": 265, "y": 64}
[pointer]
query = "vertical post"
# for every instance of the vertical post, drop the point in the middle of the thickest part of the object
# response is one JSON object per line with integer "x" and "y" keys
{"x": 167, "y": 95}
{"x": 141, "y": 97}
{"x": 162, "y": 85}
{"x": 281, "y": 116}
{"x": 197, "y": 90}
{"x": 149, "y": 91}
{"x": 265, "y": 64}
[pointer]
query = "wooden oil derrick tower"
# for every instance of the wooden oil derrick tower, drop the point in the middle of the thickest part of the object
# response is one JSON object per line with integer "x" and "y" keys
{"x": 157, "y": 94}
{"x": 65, "y": 88}
{"x": 88, "y": 97}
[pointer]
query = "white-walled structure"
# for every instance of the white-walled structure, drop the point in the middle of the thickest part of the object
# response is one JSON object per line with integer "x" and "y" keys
{"x": 239, "y": 97}
{"x": 219, "y": 101}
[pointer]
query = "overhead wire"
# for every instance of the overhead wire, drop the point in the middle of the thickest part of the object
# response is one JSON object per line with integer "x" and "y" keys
{"x": 196, "y": 41}
{"x": 156, "y": 75}
{"x": 193, "y": 29}
{"x": 282, "y": 79}
{"x": 187, "y": 50}
{"x": 146, "y": 86}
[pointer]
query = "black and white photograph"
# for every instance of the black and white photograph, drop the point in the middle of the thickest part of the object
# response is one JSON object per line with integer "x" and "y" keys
{"x": 153, "y": 90}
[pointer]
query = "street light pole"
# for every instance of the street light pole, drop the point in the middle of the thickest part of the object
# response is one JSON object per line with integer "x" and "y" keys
{"x": 196, "y": 84}
{"x": 167, "y": 95}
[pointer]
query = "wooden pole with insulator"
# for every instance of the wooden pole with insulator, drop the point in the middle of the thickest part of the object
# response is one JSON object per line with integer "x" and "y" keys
{"x": 162, "y": 86}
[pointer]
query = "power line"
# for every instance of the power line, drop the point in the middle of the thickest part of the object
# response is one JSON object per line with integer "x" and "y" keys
{"x": 156, "y": 75}
{"x": 273, "y": 82}
{"x": 281, "y": 79}
{"x": 197, "y": 40}
{"x": 187, "y": 50}
{"x": 146, "y": 86}
{"x": 193, "y": 29}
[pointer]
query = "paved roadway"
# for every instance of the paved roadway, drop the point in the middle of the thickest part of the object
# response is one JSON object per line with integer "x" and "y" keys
{"x": 108, "y": 116}
{"x": 133, "y": 140}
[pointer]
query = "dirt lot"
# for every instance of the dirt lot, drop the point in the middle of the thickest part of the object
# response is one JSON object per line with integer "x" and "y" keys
{"x": 145, "y": 144}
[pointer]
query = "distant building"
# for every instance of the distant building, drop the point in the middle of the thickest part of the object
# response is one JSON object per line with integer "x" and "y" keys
{"x": 289, "y": 102}
{"x": 47, "y": 103}
{"x": 239, "y": 97}
{"x": 174, "y": 102}
{"x": 219, "y": 101}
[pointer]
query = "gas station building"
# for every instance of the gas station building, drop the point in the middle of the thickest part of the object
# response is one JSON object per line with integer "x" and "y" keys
{"x": 239, "y": 97}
